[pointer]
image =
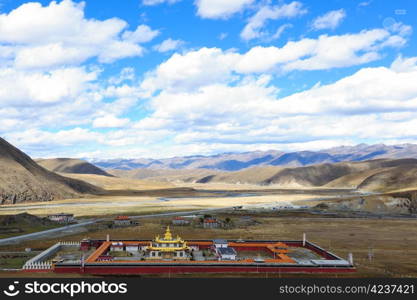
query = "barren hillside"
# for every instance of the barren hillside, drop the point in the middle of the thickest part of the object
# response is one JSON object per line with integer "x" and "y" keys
{"x": 372, "y": 175}
{"x": 22, "y": 179}
{"x": 70, "y": 165}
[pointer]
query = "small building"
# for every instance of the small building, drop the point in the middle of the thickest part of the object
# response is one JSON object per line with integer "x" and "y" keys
{"x": 122, "y": 221}
{"x": 220, "y": 243}
{"x": 117, "y": 246}
{"x": 227, "y": 253}
{"x": 132, "y": 248}
{"x": 211, "y": 223}
{"x": 62, "y": 218}
{"x": 180, "y": 221}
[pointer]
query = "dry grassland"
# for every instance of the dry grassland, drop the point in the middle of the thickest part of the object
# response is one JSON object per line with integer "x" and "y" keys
{"x": 105, "y": 205}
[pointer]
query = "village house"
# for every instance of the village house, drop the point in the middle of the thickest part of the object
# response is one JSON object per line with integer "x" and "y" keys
{"x": 121, "y": 221}
{"x": 211, "y": 223}
{"x": 180, "y": 221}
{"x": 62, "y": 218}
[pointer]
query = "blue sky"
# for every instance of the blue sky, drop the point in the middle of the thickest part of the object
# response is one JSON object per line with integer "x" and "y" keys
{"x": 160, "y": 78}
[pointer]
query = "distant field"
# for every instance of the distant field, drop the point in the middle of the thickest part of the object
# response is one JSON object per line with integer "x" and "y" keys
{"x": 104, "y": 205}
{"x": 393, "y": 242}
{"x": 115, "y": 183}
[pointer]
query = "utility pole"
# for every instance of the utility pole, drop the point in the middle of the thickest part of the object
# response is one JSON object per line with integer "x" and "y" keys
{"x": 370, "y": 254}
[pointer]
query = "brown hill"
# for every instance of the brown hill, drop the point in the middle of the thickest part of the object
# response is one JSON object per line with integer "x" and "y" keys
{"x": 70, "y": 165}
{"x": 24, "y": 219}
{"x": 396, "y": 178}
{"x": 22, "y": 179}
{"x": 353, "y": 180}
{"x": 340, "y": 175}
{"x": 254, "y": 175}
{"x": 117, "y": 183}
{"x": 170, "y": 175}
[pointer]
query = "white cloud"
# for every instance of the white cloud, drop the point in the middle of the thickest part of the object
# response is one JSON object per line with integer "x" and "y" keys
{"x": 400, "y": 28}
{"x": 253, "y": 28}
{"x": 62, "y": 97}
{"x": 201, "y": 101}
{"x": 280, "y": 31}
{"x": 126, "y": 74}
{"x": 36, "y": 36}
{"x": 254, "y": 117}
{"x": 404, "y": 64}
{"x": 223, "y": 35}
{"x": 110, "y": 121}
{"x": 205, "y": 66}
{"x": 364, "y": 3}
{"x": 340, "y": 50}
{"x": 142, "y": 34}
{"x": 19, "y": 88}
{"x": 35, "y": 138}
{"x": 191, "y": 70}
{"x": 156, "y": 2}
{"x": 168, "y": 45}
{"x": 220, "y": 9}
{"x": 330, "y": 20}
{"x": 254, "y": 114}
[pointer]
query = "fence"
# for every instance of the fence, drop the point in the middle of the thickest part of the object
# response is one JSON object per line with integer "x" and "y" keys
{"x": 41, "y": 262}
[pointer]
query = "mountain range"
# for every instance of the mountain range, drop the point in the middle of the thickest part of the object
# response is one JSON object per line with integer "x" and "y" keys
{"x": 379, "y": 175}
{"x": 240, "y": 161}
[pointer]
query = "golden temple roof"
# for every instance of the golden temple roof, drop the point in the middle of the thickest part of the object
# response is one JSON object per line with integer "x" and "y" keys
{"x": 168, "y": 239}
{"x": 168, "y": 235}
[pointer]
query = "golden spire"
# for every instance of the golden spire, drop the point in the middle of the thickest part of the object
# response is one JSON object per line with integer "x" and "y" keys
{"x": 168, "y": 235}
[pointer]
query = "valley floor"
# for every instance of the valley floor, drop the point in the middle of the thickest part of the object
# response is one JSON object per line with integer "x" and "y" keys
{"x": 141, "y": 202}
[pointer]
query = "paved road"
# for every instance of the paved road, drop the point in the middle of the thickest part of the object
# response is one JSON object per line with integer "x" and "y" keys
{"x": 45, "y": 233}
{"x": 39, "y": 234}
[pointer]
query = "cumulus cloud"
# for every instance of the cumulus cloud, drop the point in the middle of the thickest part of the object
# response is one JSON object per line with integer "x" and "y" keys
{"x": 254, "y": 27}
{"x": 191, "y": 70}
{"x": 330, "y": 20}
{"x": 220, "y": 9}
{"x": 206, "y": 66}
{"x": 142, "y": 34}
{"x": 202, "y": 101}
{"x": 44, "y": 84}
{"x": 36, "y": 36}
{"x": 256, "y": 117}
{"x": 34, "y": 140}
{"x": 255, "y": 114}
{"x": 19, "y": 88}
{"x": 168, "y": 45}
